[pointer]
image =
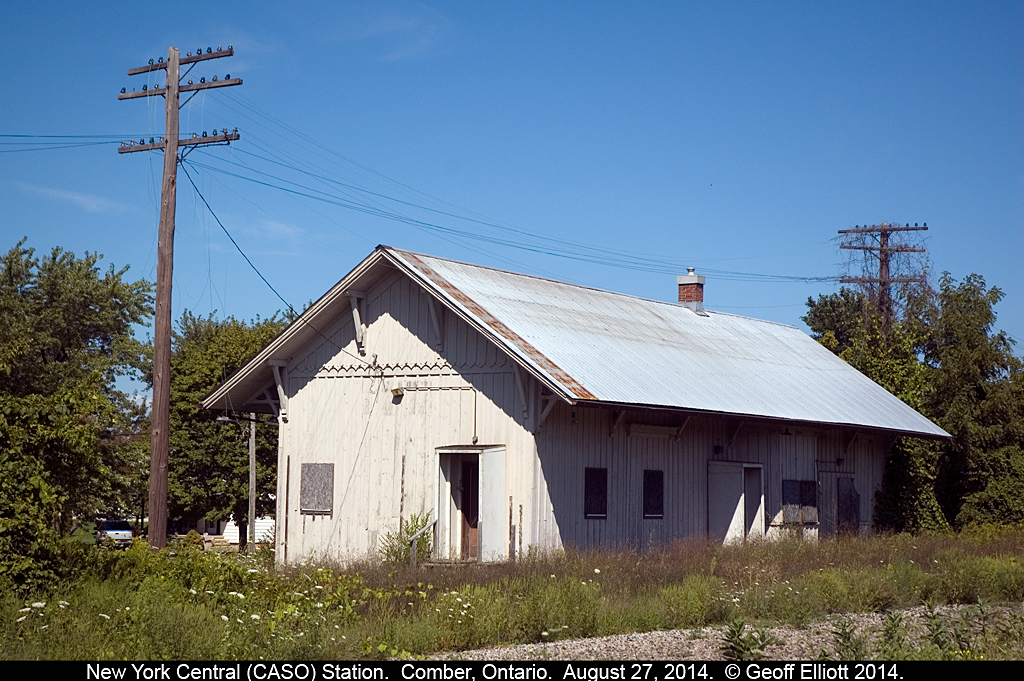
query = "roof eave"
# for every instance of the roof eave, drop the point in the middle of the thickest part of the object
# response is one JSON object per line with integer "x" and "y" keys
{"x": 760, "y": 418}
{"x": 282, "y": 346}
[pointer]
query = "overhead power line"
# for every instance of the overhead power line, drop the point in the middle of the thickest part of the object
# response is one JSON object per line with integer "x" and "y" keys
{"x": 554, "y": 247}
{"x": 184, "y": 167}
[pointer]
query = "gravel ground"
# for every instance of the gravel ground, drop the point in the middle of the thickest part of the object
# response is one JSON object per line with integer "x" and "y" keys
{"x": 700, "y": 644}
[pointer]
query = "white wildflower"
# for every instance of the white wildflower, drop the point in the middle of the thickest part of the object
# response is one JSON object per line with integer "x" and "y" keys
{"x": 39, "y": 604}
{"x": 21, "y": 618}
{"x": 255, "y": 617}
{"x": 25, "y": 610}
{"x": 224, "y": 617}
{"x": 597, "y": 571}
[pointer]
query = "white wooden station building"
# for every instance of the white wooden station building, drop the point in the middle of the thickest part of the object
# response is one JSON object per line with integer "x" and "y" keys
{"x": 523, "y": 413}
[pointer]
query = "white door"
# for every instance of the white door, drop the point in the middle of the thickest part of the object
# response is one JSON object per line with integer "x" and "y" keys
{"x": 735, "y": 501}
{"x": 493, "y": 522}
{"x": 471, "y": 507}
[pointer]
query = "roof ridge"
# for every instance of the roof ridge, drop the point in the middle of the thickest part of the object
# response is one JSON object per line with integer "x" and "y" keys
{"x": 671, "y": 304}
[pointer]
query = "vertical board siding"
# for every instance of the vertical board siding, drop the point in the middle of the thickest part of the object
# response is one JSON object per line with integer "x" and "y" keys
{"x": 384, "y": 448}
{"x": 344, "y": 413}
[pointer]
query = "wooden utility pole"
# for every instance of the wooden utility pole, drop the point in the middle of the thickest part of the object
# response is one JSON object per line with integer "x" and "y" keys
{"x": 252, "y": 481}
{"x": 885, "y": 278}
{"x": 160, "y": 415}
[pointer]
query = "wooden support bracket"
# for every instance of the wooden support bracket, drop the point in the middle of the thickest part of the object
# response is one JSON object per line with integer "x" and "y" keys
{"x": 282, "y": 396}
{"x": 520, "y": 385}
{"x": 682, "y": 427}
{"x": 617, "y": 418}
{"x": 270, "y": 401}
{"x": 356, "y": 298}
{"x": 549, "y": 404}
{"x": 736, "y": 431}
{"x": 848, "y": 445}
{"x": 437, "y": 318}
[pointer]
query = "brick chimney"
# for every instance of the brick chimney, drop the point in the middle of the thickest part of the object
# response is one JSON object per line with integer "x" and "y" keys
{"x": 691, "y": 290}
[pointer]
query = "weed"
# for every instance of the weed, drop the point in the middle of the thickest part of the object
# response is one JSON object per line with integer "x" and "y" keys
{"x": 848, "y": 644}
{"x": 699, "y": 600}
{"x": 188, "y": 603}
{"x": 739, "y": 645}
{"x": 894, "y": 636}
{"x": 394, "y": 547}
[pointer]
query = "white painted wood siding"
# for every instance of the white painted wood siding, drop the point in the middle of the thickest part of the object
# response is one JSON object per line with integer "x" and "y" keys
{"x": 384, "y": 448}
{"x": 342, "y": 411}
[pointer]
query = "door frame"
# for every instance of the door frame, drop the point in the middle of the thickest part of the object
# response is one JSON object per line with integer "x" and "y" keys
{"x": 491, "y": 530}
{"x": 746, "y": 516}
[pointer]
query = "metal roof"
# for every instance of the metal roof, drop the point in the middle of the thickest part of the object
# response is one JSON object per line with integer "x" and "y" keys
{"x": 598, "y": 346}
{"x": 611, "y": 347}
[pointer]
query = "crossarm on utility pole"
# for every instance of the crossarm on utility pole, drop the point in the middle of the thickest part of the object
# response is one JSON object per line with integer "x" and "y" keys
{"x": 156, "y": 66}
{"x": 191, "y": 87}
{"x": 209, "y": 139}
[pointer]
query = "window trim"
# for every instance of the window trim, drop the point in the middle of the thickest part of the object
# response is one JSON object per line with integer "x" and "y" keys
{"x": 595, "y": 482}
{"x": 316, "y": 497}
{"x": 806, "y": 509}
{"x": 654, "y": 477}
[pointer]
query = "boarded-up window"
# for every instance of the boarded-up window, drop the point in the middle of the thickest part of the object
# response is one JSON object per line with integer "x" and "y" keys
{"x": 654, "y": 494}
{"x": 848, "y": 507}
{"x": 595, "y": 492}
{"x": 799, "y": 502}
{"x": 316, "y": 489}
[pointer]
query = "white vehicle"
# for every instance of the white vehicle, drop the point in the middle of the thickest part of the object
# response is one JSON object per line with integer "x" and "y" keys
{"x": 118, "y": 531}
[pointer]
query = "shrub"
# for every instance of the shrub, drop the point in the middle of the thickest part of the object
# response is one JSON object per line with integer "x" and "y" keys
{"x": 959, "y": 576}
{"x": 394, "y": 547}
{"x": 699, "y": 600}
{"x": 739, "y": 645}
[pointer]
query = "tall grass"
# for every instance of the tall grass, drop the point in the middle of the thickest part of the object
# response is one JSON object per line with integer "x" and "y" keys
{"x": 186, "y": 603}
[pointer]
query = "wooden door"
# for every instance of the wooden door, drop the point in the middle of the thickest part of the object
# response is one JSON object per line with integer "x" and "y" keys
{"x": 470, "y": 507}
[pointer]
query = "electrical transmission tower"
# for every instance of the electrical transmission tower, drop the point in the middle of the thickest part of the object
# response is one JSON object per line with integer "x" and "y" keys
{"x": 877, "y": 242}
{"x": 170, "y": 144}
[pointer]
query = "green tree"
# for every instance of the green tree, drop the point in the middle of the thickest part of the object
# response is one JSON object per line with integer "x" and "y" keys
{"x": 942, "y": 358}
{"x": 906, "y": 501}
{"x": 209, "y": 461}
{"x": 65, "y": 336}
{"x": 837, "y": 319}
{"x": 976, "y": 393}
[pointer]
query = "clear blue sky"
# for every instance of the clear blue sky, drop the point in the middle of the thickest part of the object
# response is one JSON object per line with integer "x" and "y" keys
{"x": 734, "y": 137}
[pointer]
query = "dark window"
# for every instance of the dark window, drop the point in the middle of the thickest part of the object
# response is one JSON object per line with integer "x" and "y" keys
{"x": 848, "y": 507}
{"x": 595, "y": 492}
{"x": 654, "y": 494}
{"x": 316, "y": 489}
{"x": 799, "y": 502}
